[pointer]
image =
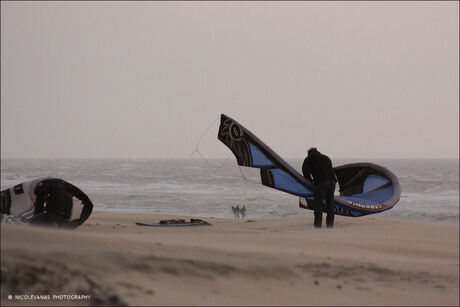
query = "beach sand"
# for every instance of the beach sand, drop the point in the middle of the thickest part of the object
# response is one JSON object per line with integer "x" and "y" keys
{"x": 370, "y": 260}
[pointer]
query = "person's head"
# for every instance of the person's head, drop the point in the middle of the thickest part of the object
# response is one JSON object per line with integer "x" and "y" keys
{"x": 40, "y": 189}
{"x": 312, "y": 150}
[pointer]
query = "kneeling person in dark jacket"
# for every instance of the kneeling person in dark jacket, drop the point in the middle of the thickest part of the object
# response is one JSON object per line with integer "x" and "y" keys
{"x": 53, "y": 205}
{"x": 319, "y": 167}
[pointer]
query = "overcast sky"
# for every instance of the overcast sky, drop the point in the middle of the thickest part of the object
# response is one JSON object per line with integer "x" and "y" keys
{"x": 146, "y": 79}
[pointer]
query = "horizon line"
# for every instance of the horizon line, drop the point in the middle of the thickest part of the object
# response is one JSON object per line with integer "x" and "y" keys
{"x": 214, "y": 158}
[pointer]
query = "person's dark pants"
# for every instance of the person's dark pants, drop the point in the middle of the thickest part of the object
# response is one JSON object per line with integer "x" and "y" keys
{"x": 324, "y": 190}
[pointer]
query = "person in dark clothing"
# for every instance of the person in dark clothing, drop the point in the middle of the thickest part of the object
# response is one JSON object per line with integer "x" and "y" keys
{"x": 53, "y": 205}
{"x": 318, "y": 169}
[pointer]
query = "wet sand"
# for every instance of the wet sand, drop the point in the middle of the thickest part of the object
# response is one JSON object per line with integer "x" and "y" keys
{"x": 284, "y": 261}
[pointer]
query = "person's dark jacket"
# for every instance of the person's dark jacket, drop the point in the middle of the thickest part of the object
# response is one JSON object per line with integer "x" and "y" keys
{"x": 58, "y": 200}
{"x": 319, "y": 166}
{"x": 55, "y": 199}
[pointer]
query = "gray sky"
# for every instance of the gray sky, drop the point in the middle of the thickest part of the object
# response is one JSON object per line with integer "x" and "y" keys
{"x": 145, "y": 79}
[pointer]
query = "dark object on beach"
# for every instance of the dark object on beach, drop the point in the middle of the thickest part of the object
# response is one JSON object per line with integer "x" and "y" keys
{"x": 177, "y": 223}
{"x": 365, "y": 188}
{"x": 46, "y": 201}
{"x": 173, "y": 221}
{"x": 317, "y": 168}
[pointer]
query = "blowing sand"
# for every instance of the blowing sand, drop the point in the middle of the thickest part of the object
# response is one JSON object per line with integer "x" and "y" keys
{"x": 111, "y": 261}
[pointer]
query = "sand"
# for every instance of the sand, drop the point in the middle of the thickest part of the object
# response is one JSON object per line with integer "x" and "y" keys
{"x": 109, "y": 260}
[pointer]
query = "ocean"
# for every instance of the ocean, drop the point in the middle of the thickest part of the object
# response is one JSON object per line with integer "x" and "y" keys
{"x": 209, "y": 188}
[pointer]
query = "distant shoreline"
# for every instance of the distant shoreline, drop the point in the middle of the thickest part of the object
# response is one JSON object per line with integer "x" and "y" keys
{"x": 221, "y": 159}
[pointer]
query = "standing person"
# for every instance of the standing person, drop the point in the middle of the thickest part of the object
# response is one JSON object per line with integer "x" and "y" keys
{"x": 319, "y": 167}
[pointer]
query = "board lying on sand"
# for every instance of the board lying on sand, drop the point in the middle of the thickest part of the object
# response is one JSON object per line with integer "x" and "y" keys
{"x": 177, "y": 223}
{"x": 365, "y": 188}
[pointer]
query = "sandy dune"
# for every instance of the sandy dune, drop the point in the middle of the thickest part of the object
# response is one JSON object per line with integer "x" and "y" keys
{"x": 285, "y": 261}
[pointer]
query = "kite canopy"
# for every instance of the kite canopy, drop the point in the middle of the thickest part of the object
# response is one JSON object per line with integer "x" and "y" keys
{"x": 20, "y": 201}
{"x": 364, "y": 188}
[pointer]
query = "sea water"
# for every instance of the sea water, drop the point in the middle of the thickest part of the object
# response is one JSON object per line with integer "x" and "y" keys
{"x": 196, "y": 187}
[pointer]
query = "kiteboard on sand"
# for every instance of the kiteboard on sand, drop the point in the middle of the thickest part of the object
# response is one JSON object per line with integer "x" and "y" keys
{"x": 177, "y": 223}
